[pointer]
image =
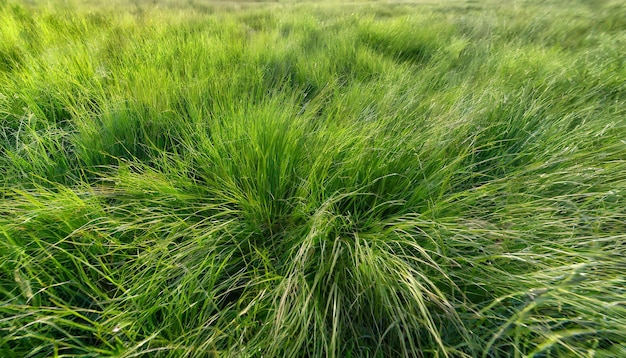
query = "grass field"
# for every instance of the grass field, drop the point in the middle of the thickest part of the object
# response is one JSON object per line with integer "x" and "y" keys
{"x": 313, "y": 179}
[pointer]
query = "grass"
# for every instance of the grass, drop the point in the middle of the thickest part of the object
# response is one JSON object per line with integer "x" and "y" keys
{"x": 313, "y": 179}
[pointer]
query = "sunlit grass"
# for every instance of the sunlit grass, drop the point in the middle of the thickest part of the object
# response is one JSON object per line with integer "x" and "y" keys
{"x": 313, "y": 179}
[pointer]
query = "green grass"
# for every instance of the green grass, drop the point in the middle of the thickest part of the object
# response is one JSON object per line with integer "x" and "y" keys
{"x": 288, "y": 179}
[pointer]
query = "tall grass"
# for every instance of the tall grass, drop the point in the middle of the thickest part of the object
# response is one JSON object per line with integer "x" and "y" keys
{"x": 313, "y": 179}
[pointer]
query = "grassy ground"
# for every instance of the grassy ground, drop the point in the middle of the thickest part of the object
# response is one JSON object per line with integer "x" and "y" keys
{"x": 313, "y": 179}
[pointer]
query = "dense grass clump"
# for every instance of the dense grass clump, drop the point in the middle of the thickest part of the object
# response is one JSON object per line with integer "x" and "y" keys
{"x": 313, "y": 179}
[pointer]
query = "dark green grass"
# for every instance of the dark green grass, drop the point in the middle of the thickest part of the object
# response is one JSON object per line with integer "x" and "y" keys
{"x": 313, "y": 179}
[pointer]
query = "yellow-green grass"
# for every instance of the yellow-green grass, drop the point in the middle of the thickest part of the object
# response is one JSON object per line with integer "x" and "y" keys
{"x": 303, "y": 179}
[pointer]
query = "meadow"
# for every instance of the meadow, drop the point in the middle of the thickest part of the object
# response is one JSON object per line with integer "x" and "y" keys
{"x": 313, "y": 179}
